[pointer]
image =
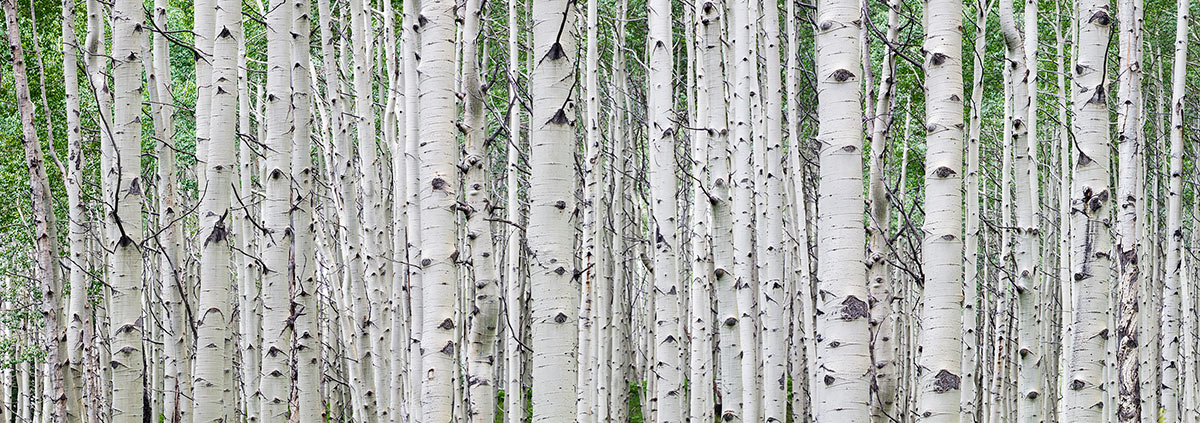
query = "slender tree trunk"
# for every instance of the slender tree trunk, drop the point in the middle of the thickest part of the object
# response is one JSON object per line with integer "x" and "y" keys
{"x": 843, "y": 345}
{"x": 122, "y": 176}
{"x": 620, "y": 329}
{"x": 368, "y": 307}
{"x": 554, "y": 288}
{"x": 486, "y": 306}
{"x": 710, "y": 197}
{"x": 514, "y": 392}
{"x": 940, "y": 340}
{"x": 1172, "y": 307}
{"x": 1129, "y": 144}
{"x": 412, "y": 165}
{"x": 276, "y": 215}
{"x": 304, "y": 266}
{"x": 1029, "y": 381}
{"x": 879, "y": 282}
{"x": 1090, "y": 201}
{"x": 213, "y": 360}
{"x": 249, "y": 302}
{"x": 45, "y": 231}
{"x": 969, "y": 402}
{"x": 78, "y": 318}
{"x": 439, "y": 255}
{"x": 660, "y": 101}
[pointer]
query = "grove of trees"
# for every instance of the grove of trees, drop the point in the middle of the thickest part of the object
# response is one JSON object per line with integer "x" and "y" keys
{"x": 378, "y": 211}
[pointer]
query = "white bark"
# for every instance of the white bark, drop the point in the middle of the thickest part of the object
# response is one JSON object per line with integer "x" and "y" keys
{"x": 214, "y": 361}
{"x": 514, "y": 392}
{"x": 1172, "y": 306}
{"x": 843, "y": 361}
{"x": 1090, "y": 201}
{"x": 940, "y": 339}
{"x": 304, "y": 268}
{"x": 121, "y": 172}
{"x": 439, "y": 192}
{"x": 276, "y": 207}
{"x": 660, "y": 101}
{"x": 78, "y": 319}
{"x": 554, "y": 288}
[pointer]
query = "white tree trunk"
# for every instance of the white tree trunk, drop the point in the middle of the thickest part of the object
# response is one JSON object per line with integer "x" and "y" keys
{"x": 276, "y": 215}
{"x": 660, "y": 101}
{"x": 554, "y": 287}
{"x": 78, "y": 318}
{"x": 843, "y": 361}
{"x": 214, "y": 361}
{"x": 121, "y": 172}
{"x": 439, "y": 192}
{"x": 1090, "y": 201}
{"x": 514, "y": 392}
{"x": 940, "y": 339}
{"x": 304, "y": 266}
{"x": 1172, "y": 306}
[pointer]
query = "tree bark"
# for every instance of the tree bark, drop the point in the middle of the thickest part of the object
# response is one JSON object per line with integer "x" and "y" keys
{"x": 940, "y": 339}
{"x": 843, "y": 358}
{"x": 45, "y": 231}
{"x": 1091, "y": 197}
{"x": 554, "y": 287}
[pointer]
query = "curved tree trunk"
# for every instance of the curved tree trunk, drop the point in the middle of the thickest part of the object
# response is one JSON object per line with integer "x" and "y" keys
{"x": 45, "y": 232}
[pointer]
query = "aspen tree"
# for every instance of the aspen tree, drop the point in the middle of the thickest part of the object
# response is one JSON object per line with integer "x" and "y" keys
{"x": 486, "y": 306}
{"x": 940, "y": 339}
{"x": 843, "y": 358}
{"x": 249, "y": 301}
{"x": 45, "y": 231}
{"x": 367, "y": 307}
{"x": 619, "y": 332}
{"x": 879, "y": 281}
{"x": 78, "y": 319}
{"x": 598, "y": 370}
{"x": 203, "y": 19}
{"x": 1029, "y": 359}
{"x": 1064, "y": 219}
{"x": 213, "y": 359}
{"x": 772, "y": 295}
{"x": 969, "y": 402}
{"x": 412, "y": 231}
{"x": 121, "y": 170}
{"x": 396, "y": 137}
{"x": 553, "y": 287}
{"x": 1090, "y": 202}
{"x": 742, "y": 204}
{"x": 725, "y": 285}
{"x": 304, "y": 266}
{"x": 170, "y": 239}
{"x": 803, "y": 310}
{"x": 660, "y": 98}
{"x": 1128, "y": 248}
{"x": 438, "y": 192}
{"x": 514, "y": 397}
{"x": 1172, "y": 306}
{"x": 276, "y": 216}
{"x": 712, "y": 168}
{"x": 102, "y": 91}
